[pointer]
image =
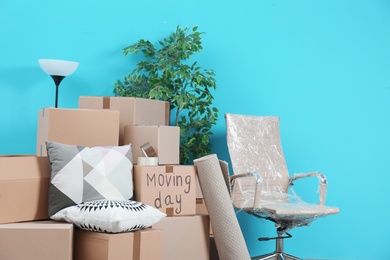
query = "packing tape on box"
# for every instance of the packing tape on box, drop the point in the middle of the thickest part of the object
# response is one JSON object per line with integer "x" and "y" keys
{"x": 147, "y": 161}
{"x": 148, "y": 150}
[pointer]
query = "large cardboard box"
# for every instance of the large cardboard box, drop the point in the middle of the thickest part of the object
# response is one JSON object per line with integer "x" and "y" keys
{"x": 145, "y": 244}
{"x": 36, "y": 240}
{"x": 165, "y": 140}
{"x": 24, "y": 185}
{"x": 170, "y": 189}
{"x": 133, "y": 111}
{"x": 185, "y": 237}
{"x": 84, "y": 127}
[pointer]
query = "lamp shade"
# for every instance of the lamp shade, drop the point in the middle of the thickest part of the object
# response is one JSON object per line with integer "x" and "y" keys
{"x": 58, "y": 67}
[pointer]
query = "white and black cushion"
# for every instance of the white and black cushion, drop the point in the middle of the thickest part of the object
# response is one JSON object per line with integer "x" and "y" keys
{"x": 110, "y": 216}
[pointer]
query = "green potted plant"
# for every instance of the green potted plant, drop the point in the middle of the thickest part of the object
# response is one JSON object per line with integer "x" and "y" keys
{"x": 166, "y": 73}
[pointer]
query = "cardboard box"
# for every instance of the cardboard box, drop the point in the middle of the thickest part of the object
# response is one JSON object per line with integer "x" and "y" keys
{"x": 170, "y": 189}
{"x": 133, "y": 111}
{"x": 165, "y": 140}
{"x": 185, "y": 237}
{"x": 84, "y": 127}
{"x": 145, "y": 244}
{"x": 37, "y": 240}
{"x": 201, "y": 209}
{"x": 199, "y": 194}
{"x": 24, "y": 185}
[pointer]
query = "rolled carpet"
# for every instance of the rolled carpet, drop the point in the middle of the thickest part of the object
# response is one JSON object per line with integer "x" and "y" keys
{"x": 228, "y": 237}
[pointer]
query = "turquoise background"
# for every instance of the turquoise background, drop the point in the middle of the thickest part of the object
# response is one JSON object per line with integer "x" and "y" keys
{"x": 322, "y": 66}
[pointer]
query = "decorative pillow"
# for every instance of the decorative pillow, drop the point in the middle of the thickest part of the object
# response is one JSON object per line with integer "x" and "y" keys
{"x": 80, "y": 174}
{"x": 110, "y": 216}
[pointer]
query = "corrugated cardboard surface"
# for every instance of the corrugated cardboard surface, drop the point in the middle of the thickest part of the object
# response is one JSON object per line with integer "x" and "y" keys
{"x": 148, "y": 244}
{"x": 138, "y": 245}
{"x": 37, "y": 240}
{"x": 185, "y": 237}
{"x": 84, "y": 127}
{"x": 133, "y": 111}
{"x": 164, "y": 139}
{"x": 24, "y": 185}
{"x": 171, "y": 189}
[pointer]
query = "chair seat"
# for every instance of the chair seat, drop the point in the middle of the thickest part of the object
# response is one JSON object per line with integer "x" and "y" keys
{"x": 285, "y": 209}
{"x": 299, "y": 209}
{"x": 289, "y": 215}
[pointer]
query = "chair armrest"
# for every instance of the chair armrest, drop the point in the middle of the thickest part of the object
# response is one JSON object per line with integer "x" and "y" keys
{"x": 243, "y": 175}
{"x": 257, "y": 184}
{"x": 322, "y": 186}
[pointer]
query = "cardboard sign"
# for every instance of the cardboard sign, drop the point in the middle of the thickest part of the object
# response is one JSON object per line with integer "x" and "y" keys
{"x": 171, "y": 189}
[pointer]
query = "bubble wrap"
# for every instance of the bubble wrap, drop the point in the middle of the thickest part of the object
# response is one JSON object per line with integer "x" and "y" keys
{"x": 260, "y": 184}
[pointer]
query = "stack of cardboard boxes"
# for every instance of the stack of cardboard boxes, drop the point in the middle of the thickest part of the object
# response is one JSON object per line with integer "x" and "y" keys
{"x": 26, "y": 232}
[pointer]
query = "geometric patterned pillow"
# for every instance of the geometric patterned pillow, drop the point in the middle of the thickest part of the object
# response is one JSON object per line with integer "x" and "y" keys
{"x": 110, "y": 216}
{"x": 80, "y": 174}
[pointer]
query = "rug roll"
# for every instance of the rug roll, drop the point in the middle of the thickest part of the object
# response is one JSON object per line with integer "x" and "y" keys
{"x": 228, "y": 237}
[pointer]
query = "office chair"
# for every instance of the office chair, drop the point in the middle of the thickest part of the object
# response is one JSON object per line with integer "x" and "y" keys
{"x": 260, "y": 181}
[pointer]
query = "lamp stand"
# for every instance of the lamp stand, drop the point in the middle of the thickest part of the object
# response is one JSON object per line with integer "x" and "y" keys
{"x": 57, "y": 81}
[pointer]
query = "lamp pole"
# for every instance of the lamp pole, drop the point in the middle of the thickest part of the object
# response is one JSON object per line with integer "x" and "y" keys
{"x": 57, "y": 80}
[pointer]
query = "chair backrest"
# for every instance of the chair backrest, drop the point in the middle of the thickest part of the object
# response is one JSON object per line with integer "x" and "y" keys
{"x": 254, "y": 146}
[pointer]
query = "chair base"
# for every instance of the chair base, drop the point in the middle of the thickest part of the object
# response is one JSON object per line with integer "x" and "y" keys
{"x": 279, "y": 253}
{"x": 276, "y": 256}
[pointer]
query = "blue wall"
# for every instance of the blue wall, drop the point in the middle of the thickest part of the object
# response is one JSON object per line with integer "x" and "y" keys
{"x": 322, "y": 66}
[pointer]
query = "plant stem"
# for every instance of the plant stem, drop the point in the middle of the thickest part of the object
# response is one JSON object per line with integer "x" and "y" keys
{"x": 177, "y": 117}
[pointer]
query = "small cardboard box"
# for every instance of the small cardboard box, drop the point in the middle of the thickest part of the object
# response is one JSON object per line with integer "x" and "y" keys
{"x": 185, "y": 237}
{"x": 144, "y": 244}
{"x": 170, "y": 189}
{"x": 36, "y": 240}
{"x": 24, "y": 185}
{"x": 84, "y": 127}
{"x": 165, "y": 140}
{"x": 133, "y": 111}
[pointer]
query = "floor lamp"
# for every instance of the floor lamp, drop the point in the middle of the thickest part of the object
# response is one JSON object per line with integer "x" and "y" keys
{"x": 58, "y": 70}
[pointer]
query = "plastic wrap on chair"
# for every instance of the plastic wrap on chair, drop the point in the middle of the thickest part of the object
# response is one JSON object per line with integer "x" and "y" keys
{"x": 254, "y": 146}
{"x": 261, "y": 179}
